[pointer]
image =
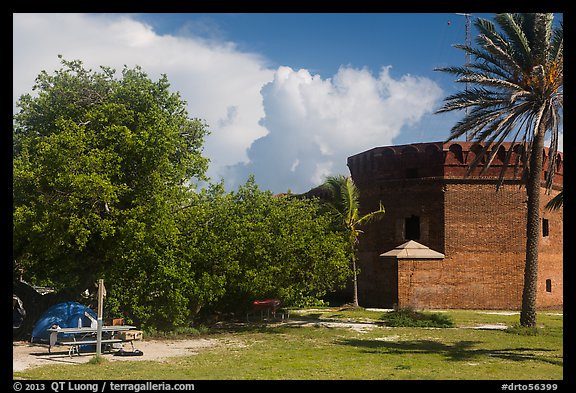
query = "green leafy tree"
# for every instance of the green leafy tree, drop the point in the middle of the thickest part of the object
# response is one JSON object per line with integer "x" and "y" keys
{"x": 251, "y": 244}
{"x": 517, "y": 78}
{"x": 100, "y": 166}
{"x": 227, "y": 249}
{"x": 346, "y": 204}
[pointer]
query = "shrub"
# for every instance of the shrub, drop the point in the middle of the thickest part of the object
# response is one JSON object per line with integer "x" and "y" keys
{"x": 177, "y": 332}
{"x": 522, "y": 330}
{"x": 408, "y": 317}
{"x": 98, "y": 359}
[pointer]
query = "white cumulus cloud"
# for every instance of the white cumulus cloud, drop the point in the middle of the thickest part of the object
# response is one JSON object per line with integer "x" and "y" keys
{"x": 314, "y": 124}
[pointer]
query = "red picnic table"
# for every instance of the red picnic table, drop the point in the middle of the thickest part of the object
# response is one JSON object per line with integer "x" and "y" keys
{"x": 267, "y": 307}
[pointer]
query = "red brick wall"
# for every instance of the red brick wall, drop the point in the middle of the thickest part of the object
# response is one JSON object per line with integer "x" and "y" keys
{"x": 460, "y": 282}
{"x": 551, "y": 260}
{"x": 377, "y": 282}
{"x": 485, "y": 245}
{"x": 401, "y": 199}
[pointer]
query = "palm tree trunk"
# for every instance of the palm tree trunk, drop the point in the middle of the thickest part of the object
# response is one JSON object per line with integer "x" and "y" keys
{"x": 528, "y": 312}
{"x": 355, "y": 282}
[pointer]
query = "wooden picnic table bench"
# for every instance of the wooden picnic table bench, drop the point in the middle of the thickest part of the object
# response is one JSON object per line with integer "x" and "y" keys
{"x": 87, "y": 336}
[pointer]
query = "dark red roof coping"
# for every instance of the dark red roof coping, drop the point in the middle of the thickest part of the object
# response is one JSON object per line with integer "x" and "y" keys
{"x": 440, "y": 159}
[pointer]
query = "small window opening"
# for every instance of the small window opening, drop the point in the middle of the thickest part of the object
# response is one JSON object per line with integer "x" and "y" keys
{"x": 545, "y": 227}
{"x": 412, "y": 228}
{"x": 411, "y": 173}
{"x": 548, "y": 285}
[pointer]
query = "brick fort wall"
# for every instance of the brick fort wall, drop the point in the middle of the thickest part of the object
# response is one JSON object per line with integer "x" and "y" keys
{"x": 482, "y": 232}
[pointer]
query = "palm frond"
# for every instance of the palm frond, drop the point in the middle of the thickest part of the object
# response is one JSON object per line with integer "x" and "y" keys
{"x": 472, "y": 97}
{"x": 344, "y": 197}
{"x": 485, "y": 26}
{"x": 484, "y": 61}
{"x": 504, "y": 56}
{"x": 487, "y": 68}
{"x": 333, "y": 186}
{"x": 517, "y": 89}
{"x": 483, "y": 80}
{"x": 542, "y": 36}
{"x": 459, "y": 71}
{"x": 511, "y": 24}
{"x": 553, "y": 125}
{"x": 507, "y": 163}
{"x": 557, "y": 47}
{"x": 350, "y": 197}
{"x": 556, "y": 203}
{"x": 368, "y": 217}
{"x": 345, "y": 201}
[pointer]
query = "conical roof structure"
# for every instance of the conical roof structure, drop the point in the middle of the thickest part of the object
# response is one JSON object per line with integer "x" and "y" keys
{"x": 413, "y": 250}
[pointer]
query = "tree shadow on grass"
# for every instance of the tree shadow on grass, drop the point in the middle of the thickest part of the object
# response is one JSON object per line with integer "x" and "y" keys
{"x": 458, "y": 351}
{"x": 272, "y": 325}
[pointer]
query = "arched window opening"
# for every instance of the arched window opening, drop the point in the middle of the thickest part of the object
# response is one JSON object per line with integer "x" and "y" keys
{"x": 455, "y": 153}
{"x": 501, "y": 154}
{"x": 476, "y": 151}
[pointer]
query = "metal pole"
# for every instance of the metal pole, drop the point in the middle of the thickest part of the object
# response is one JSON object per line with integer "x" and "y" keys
{"x": 99, "y": 325}
{"x": 467, "y": 62}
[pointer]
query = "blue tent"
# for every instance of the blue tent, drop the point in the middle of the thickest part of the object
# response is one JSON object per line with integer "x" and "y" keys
{"x": 65, "y": 315}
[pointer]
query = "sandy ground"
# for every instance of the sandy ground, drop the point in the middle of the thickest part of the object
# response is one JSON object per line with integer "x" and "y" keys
{"x": 25, "y": 354}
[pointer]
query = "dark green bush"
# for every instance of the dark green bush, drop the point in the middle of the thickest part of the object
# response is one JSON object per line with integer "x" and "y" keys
{"x": 408, "y": 317}
{"x": 522, "y": 330}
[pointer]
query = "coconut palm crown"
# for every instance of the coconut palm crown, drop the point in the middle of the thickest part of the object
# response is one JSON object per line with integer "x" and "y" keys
{"x": 516, "y": 94}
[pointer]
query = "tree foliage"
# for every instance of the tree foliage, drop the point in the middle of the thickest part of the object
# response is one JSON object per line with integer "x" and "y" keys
{"x": 94, "y": 158}
{"x": 105, "y": 173}
{"x": 557, "y": 202}
{"x": 228, "y": 249}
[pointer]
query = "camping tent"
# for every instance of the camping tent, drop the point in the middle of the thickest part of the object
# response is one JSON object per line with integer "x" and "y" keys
{"x": 18, "y": 312}
{"x": 65, "y": 315}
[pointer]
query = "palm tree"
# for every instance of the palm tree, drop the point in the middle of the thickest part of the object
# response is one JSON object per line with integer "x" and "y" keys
{"x": 557, "y": 202}
{"x": 517, "y": 94}
{"x": 345, "y": 203}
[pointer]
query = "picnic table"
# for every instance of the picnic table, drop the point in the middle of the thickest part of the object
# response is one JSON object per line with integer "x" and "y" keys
{"x": 77, "y": 336}
{"x": 267, "y": 307}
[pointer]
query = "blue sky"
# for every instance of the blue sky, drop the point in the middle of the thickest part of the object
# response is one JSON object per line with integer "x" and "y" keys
{"x": 287, "y": 96}
{"x": 324, "y": 42}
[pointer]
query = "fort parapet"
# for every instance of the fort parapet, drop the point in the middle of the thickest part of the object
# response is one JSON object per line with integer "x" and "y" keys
{"x": 438, "y": 159}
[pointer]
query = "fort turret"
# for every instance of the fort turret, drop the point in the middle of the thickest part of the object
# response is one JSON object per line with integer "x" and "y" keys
{"x": 430, "y": 199}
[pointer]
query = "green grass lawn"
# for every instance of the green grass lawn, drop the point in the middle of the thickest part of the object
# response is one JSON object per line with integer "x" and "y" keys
{"x": 315, "y": 352}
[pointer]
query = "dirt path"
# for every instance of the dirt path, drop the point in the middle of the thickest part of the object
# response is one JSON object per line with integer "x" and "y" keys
{"x": 25, "y": 354}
